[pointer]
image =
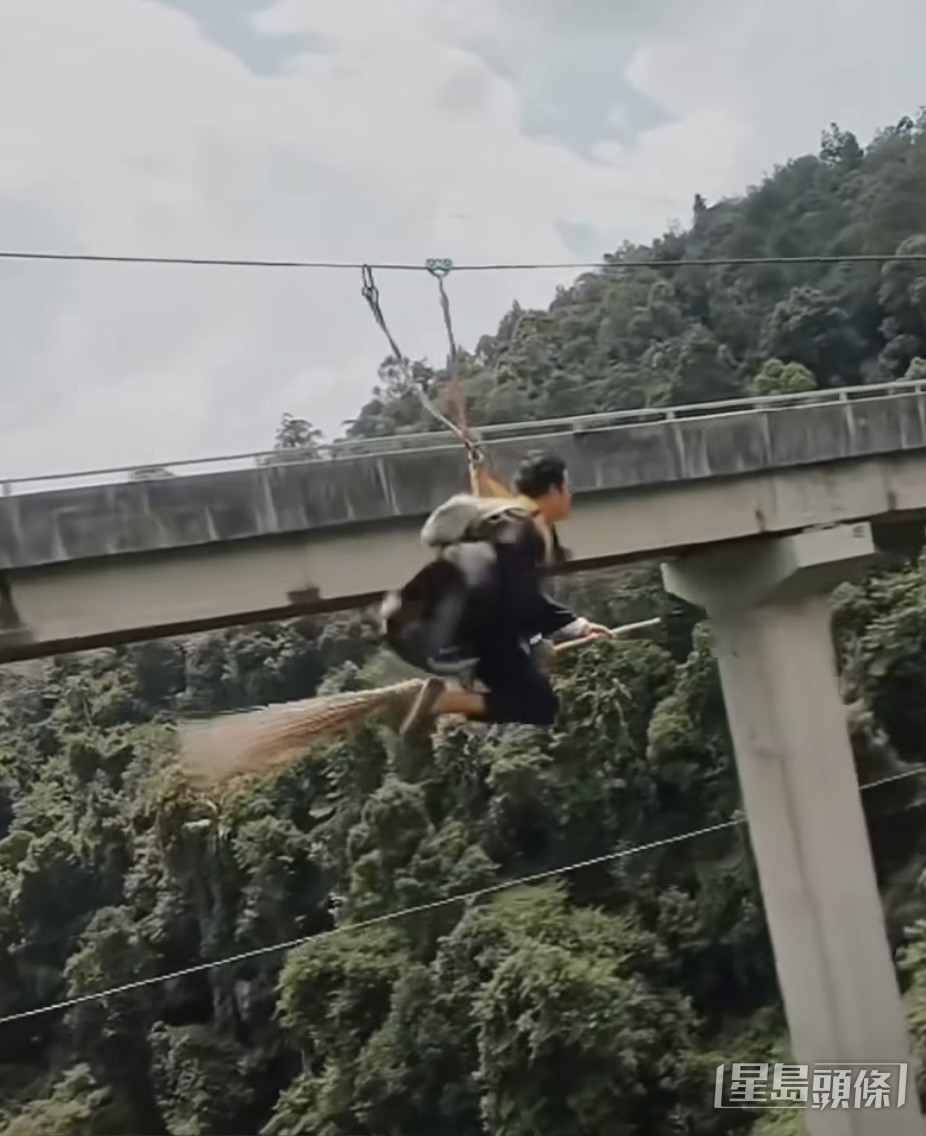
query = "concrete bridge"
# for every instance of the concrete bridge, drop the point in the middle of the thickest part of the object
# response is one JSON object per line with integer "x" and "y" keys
{"x": 116, "y": 561}
{"x": 759, "y": 509}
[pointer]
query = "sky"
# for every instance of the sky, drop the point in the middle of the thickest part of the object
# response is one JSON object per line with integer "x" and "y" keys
{"x": 362, "y": 131}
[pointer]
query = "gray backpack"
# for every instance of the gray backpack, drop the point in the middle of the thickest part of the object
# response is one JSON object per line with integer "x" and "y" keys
{"x": 466, "y": 518}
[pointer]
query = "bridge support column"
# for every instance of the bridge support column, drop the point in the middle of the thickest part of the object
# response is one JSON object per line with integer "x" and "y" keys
{"x": 769, "y": 607}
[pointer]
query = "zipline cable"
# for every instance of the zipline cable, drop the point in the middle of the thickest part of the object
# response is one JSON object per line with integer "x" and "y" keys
{"x": 390, "y": 916}
{"x": 551, "y": 266}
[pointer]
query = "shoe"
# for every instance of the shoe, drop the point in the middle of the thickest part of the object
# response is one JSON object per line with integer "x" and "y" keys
{"x": 422, "y": 707}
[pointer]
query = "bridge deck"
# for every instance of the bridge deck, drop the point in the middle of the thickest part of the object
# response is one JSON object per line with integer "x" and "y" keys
{"x": 617, "y": 454}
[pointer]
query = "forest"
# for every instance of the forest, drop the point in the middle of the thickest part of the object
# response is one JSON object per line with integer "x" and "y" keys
{"x": 596, "y": 1000}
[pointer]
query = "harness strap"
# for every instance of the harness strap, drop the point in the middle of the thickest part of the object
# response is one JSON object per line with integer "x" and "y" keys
{"x": 370, "y": 293}
{"x": 482, "y": 483}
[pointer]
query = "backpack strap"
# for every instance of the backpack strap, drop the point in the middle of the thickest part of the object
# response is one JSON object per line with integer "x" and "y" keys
{"x": 547, "y": 532}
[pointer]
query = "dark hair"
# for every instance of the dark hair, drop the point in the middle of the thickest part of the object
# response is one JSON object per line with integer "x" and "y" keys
{"x": 539, "y": 473}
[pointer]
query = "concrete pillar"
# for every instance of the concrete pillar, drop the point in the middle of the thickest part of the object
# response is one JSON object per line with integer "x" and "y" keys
{"x": 769, "y": 607}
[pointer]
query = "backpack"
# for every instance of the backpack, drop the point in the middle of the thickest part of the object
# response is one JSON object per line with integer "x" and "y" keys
{"x": 465, "y": 518}
{"x": 421, "y": 622}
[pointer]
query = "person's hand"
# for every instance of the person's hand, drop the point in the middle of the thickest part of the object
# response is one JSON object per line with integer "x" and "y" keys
{"x": 598, "y": 631}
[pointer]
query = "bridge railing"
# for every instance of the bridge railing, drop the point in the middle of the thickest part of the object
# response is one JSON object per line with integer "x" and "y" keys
{"x": 388, "y": 444}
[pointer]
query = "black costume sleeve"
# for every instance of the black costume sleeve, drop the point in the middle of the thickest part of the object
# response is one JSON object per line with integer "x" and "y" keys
{"x": 519, "y": 561}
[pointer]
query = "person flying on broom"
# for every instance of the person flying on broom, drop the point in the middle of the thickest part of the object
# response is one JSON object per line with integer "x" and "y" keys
{"x": 478, "y": 610}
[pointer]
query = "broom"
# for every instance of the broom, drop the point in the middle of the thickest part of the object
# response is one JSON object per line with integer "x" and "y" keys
{"x": 255, "y": 741}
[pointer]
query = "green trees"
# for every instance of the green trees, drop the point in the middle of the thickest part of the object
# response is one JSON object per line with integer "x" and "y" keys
{"x": 595, "y": 1000}
{"x": 777, "y": 377}
{"x": 589, "y": 986}
{"x": 296, "y": 440}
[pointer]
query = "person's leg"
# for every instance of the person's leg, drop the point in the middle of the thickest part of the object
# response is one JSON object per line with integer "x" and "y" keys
{"x": 435, "y": 700}
{"x": 517, "y": 691}
{"x": 518, "y": 688}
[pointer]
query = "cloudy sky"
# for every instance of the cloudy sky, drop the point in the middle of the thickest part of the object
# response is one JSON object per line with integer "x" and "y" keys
{"x": 362, "y": 130}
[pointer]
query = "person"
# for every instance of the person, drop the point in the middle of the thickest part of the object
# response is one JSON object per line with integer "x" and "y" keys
{"x": 479, "y": 609}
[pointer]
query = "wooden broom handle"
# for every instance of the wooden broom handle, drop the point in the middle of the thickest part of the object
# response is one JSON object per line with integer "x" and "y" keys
{"x": 618, "y": 632}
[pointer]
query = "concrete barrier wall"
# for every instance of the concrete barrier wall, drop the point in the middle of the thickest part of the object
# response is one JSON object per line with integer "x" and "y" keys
{"x": 146, "y": 516}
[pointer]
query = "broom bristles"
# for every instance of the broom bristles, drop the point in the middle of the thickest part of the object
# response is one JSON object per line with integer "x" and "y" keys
{"x": 252, "y": 741}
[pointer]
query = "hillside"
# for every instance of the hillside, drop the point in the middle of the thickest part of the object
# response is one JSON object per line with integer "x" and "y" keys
{"x": 596, "y": 1002}
{"x": 631, "y": 337}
